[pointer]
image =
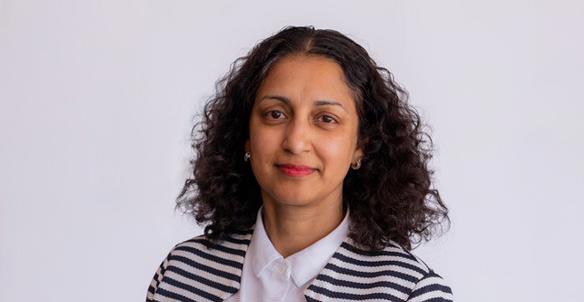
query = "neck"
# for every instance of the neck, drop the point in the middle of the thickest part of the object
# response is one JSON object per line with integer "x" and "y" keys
{"x": 293, "y": 228}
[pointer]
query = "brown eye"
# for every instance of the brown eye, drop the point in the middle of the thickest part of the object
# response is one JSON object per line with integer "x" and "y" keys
{"x": 274, "y": 114}
{"x": 327, "y": 119}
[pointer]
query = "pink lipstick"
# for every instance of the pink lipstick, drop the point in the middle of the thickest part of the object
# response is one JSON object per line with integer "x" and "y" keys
{"x": 295, "y": 170}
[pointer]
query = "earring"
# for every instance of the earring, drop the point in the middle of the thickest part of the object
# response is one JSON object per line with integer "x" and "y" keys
{"x": 356, "y": 165}
{"x": 246, "y": 156}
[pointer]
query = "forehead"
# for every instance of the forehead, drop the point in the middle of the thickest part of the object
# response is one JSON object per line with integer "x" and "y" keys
{"x": 304, "y": 78}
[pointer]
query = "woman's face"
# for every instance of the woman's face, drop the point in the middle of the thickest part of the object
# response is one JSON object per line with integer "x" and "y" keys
{"x": 303, "y": 132}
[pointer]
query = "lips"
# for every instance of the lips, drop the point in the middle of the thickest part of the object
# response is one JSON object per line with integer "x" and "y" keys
{"x": 295, "y": 170}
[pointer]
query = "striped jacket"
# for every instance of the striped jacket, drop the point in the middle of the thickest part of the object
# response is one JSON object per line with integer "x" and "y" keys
{"x": 193, "y": 271}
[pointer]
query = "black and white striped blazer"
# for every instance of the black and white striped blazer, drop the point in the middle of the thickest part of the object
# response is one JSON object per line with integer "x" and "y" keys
{"x": 194, "y": 272}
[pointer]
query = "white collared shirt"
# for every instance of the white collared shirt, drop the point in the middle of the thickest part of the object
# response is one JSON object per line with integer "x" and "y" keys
{"x": 267, "y": 276}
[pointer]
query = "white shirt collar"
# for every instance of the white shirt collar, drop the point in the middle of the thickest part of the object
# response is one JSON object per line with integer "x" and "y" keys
{"x": 304, "y": 264}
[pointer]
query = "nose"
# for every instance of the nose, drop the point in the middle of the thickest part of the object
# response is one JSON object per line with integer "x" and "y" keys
{"x": 297, "y": 137}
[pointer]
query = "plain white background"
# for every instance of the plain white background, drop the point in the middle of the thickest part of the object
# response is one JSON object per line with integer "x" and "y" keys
{"x": 98, "y": 98}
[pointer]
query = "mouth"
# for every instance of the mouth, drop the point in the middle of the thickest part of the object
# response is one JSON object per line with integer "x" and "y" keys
{"x": 295, "y": 170}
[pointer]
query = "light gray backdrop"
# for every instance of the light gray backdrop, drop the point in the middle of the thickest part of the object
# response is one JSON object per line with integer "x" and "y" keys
{"x": 98, "y": 97}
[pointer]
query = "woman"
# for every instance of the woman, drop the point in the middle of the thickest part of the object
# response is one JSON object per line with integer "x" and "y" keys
{"x": 311, "y": 175}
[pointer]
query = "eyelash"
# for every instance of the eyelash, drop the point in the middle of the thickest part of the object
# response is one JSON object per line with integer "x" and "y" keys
{"x": 334, "y": 120}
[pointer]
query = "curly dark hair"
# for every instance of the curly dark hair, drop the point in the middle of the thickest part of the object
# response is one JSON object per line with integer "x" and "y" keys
{"x": 390, "y": 196}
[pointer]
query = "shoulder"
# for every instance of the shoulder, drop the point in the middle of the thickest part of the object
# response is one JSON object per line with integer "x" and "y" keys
{"x": 403, "y": 271}
{"x": 229, "y": 250}
{"x": 430, "y": 286}
{"x": 200, "y": 267}
{"x": 232, "y": 243}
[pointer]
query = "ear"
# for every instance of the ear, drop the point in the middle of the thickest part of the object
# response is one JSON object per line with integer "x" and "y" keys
{"x": 246, "y": 146}
{"x": 358, "y": 154}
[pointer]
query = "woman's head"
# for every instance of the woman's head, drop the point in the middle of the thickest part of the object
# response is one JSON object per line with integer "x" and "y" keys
{"x": 389, "y": 196}
{"x": 303, "y": 133}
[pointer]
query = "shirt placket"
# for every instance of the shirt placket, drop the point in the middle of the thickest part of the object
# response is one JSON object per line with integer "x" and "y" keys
{"x": 279, "y": 272}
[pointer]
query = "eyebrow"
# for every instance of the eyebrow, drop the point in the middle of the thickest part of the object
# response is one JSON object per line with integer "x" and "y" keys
{"x": 286, "y": 100}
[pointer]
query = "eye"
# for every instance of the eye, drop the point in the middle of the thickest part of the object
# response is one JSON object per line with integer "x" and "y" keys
{"x": 274, "y": 114}
{"x": 327, "y": 119}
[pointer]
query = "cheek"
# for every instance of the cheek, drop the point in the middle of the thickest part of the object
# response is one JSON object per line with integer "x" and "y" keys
{"x": 264, "y": 142}
{"x": 337, "y": 152}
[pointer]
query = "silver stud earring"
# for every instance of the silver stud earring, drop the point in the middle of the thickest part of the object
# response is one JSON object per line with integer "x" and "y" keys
{"x": 246, "y": 156}
{"x": 356, "y": 165}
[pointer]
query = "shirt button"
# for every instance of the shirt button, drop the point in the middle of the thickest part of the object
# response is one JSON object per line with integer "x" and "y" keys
{"x": 283, "y": 267}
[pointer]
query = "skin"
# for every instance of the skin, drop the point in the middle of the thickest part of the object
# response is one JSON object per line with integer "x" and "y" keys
{"x": 290, "y": 124}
